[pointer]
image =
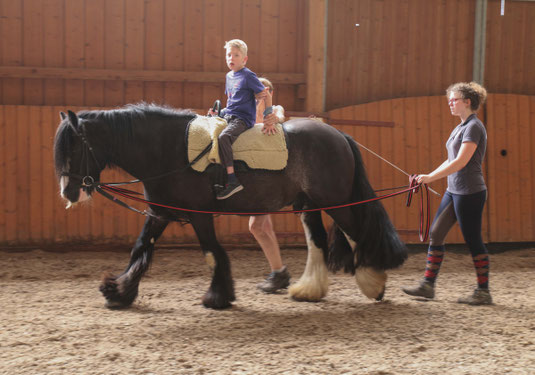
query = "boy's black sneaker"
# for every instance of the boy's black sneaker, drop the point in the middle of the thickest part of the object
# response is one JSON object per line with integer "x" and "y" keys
{"x": 229, "y": 190}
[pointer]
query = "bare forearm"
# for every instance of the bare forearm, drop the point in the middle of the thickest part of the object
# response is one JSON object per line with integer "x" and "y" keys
{"x": 445, "y": 169}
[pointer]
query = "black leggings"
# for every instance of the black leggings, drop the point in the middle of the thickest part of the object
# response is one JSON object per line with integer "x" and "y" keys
{"x": 468, "y": 211}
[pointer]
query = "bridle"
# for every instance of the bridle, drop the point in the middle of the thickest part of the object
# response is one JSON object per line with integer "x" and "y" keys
{"x": 87, "y": 181}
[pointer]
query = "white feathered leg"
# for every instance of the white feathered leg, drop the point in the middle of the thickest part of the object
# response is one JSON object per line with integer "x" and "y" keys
{"x": 314, "y": 283}
{"x": 370, "y": 281}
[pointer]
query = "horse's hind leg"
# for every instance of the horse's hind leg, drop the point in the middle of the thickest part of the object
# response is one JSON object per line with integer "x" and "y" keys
{"x": 121, "y": 291}
{"x": 314, "y": 283}
{"x": 221, "y": 291}
{"x": 370, "y": 280}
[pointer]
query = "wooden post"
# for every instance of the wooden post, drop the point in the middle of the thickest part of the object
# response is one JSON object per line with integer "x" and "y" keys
{"x": 316, "y": 57}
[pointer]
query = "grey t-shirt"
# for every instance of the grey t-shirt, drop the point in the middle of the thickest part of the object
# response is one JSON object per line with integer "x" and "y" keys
{"x": 470, "y": 179}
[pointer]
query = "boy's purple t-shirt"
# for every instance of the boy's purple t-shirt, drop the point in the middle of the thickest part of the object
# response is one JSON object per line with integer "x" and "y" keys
{"x": 241, "y": 87}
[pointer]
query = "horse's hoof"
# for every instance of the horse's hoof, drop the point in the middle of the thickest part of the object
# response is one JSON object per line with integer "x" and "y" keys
{"x": 307, "y": 293}
{"x": 116, "y": 297}
{"x": 380, "y": 296}
{"x": 115, "y": 305}
{"x": 217, "y": 302}
{"x": 371, "y": 282}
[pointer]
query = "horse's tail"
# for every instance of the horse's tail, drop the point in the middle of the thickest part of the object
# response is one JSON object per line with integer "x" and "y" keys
{"x": 377, "y": 242}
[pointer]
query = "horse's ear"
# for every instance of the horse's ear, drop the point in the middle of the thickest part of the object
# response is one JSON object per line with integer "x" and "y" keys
{"x": 62, "y": 115}
{"x": 73, "y": 118}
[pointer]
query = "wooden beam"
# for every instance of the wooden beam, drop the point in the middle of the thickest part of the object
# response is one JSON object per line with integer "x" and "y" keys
{"x": 135, "y": 75}
{"x": 316, "y": 57}
{"x": 336, "y": 121}
{"x": 480, "y": 36}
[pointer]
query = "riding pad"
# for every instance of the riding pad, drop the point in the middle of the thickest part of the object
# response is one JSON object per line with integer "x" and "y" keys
{"x": 256, "y": 149}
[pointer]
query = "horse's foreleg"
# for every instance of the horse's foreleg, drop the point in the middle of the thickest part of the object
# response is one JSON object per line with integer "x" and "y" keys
{"x": 221, "y": 291}
{"x": 314, "y": 283}
{"x": 121, "y": 291}
{"x": 370, "y": 280}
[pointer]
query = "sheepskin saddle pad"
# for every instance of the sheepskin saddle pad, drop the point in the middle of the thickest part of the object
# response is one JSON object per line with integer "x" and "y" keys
{"x": 256, "y": 149}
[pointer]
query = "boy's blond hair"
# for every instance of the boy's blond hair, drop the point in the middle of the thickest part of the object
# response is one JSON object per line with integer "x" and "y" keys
{"x": 237, "y": 43}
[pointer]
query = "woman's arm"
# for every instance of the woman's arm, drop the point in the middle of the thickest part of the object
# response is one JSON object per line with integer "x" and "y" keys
{"x": 463, "y": 157}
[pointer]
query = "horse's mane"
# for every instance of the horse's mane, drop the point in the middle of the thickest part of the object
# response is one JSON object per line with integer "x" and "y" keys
{"x": 119, "y": 122}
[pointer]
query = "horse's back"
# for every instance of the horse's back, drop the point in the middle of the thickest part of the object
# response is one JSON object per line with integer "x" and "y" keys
{"x": 320, "y": 157}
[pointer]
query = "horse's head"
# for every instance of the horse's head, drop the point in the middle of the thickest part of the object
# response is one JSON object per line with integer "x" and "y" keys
{"x": 75, "y": 159}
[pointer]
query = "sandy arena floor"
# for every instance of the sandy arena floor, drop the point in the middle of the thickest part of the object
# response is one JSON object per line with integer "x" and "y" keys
{"x": 53, "y": 319}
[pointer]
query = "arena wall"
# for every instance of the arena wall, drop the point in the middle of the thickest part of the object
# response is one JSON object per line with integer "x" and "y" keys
{"x": 390, "y": 69}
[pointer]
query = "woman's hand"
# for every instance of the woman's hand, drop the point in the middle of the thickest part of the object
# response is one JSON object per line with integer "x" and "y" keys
{"x": 269, "y": 124}
{"x": 423, "y": 179}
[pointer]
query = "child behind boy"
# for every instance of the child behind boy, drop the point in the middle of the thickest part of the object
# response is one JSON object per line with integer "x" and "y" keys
{"x": 241, "y": 87}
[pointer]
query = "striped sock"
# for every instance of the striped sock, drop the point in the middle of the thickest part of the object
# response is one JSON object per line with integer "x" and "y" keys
{"x": 435, "y": 255}
{"x": 481, "y": 262}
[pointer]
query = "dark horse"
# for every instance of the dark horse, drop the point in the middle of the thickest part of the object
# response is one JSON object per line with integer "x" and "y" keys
{"x": 324, "y": 169}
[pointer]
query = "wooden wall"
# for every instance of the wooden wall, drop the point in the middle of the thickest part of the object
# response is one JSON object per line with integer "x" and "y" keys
{"x": 409, "y": 132}
{"x": 59, "y": 54}
{"x": 107, "y": 53}
{"x": 171, "y": 50}
{"x": 406, "y": 48}
{"x": 510, "y": 167}
{"x": 510, "y": 52}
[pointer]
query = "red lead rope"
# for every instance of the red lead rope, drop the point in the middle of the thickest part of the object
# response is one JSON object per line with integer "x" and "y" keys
{"x": 413, "y": 188}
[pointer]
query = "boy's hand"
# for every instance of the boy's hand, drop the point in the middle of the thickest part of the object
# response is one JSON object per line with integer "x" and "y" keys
{"x": 211, "y": 112}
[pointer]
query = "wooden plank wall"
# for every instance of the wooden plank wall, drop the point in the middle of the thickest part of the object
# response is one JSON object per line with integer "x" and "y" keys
{"x": 510, "y": 167}
{"x": 407, "y": 48}
{"x": 148, "y": 36}
{"x": 510, "y": 52}
{"x": 31, "y": 210}
{"x": 401, "y": 48}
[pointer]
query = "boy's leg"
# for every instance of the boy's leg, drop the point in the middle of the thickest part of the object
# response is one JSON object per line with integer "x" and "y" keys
{"x": 227, "y": 137}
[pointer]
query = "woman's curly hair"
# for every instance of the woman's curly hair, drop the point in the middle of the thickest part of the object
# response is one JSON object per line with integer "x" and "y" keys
{"x": 469, "y": 90}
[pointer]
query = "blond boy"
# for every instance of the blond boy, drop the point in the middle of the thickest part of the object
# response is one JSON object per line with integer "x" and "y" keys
{"x": 241, "y": 87}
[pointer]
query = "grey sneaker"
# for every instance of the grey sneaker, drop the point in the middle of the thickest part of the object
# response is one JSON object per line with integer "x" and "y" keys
{"x": 425, "y": 289}
{"x": 229, "y": 190}
{"x": 276, "y": 280}
{"x": 479, "y": 297}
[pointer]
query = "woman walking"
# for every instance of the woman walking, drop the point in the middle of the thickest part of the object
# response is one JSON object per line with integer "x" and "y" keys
{"x": 465, "y": 196}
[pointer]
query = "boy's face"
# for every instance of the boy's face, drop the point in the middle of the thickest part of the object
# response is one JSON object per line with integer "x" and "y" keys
{"x": 235, "y": 59}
